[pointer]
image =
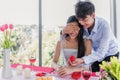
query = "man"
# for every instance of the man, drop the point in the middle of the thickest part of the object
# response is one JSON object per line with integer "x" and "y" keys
{"x": 104, "y": 44}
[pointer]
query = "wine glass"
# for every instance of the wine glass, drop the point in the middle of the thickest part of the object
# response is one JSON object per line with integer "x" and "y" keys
{"x": 86, "y": 72}
{"x": 32, "y": 59}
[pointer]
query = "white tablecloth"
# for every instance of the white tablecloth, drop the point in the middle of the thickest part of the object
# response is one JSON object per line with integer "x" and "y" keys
{"x": 21, "y": 77}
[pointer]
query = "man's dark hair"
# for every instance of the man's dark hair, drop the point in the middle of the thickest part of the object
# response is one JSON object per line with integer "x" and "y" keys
{"x": 83, "y": 8}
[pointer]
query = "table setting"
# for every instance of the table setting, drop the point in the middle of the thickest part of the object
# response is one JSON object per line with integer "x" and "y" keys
{"x": 32, "y": 72}
{"x": 23, "y": 72}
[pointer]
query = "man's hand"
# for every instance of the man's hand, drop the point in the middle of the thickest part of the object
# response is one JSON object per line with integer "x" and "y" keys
{"x": 76, "y": 62}
{"x": 70, "y": 29}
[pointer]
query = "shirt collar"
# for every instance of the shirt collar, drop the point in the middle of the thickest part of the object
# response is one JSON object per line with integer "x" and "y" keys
{"x": 95, "y": 25}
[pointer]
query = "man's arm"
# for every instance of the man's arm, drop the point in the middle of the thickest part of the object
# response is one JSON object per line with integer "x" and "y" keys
{"x": 103, "y": 45}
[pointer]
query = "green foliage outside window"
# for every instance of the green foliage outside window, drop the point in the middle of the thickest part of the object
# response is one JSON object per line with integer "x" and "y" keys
{"x": 49, "y": 40}
{"x": 25, "y": 38}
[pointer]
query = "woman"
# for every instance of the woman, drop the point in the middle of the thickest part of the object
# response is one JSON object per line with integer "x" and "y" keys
{"x": 72, "y": 44}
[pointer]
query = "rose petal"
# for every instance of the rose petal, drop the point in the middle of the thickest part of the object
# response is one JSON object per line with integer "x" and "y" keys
{"x": 76, "y": 75}
{"x": 40, "y": 74}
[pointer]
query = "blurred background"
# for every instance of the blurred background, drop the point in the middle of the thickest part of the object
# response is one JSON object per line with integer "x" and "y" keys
{"x": 37, "y": 24}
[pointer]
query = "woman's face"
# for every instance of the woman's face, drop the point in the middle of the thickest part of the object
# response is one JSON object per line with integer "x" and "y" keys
{"x": 74, "y": 33}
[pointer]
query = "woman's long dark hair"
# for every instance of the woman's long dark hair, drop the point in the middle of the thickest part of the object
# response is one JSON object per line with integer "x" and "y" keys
{"x": 81, "y": 46}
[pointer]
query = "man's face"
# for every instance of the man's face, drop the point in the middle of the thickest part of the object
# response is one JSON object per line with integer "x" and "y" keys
{"x": 88, "y": 21}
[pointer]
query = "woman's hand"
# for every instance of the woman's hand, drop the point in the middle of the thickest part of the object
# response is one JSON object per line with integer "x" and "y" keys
{"x": 70, "y": 29}
{"x": 64, "y": 70}
{"x": 77, "y": 62}
{"x": 54, "y": 65}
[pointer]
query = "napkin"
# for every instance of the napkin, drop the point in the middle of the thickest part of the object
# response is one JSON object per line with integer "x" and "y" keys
{"x": 94, "y": 74}
{"x": 35, "y": 68}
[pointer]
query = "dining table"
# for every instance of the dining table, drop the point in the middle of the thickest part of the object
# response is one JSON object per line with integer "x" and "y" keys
{"x": 39, "y": 69}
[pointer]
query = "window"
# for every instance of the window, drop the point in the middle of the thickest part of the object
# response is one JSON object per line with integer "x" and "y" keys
{"x": 23, "y": 14}
{"x": 100, "y": 10}
{"x": 54, "y": 17}
{"x": 118, "y": 22}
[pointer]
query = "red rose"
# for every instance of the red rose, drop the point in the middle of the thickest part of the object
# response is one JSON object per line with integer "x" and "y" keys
{"x": 76, "y": 75}
{"x": 72, "y": 58}
{"x": 40, "y": 74}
